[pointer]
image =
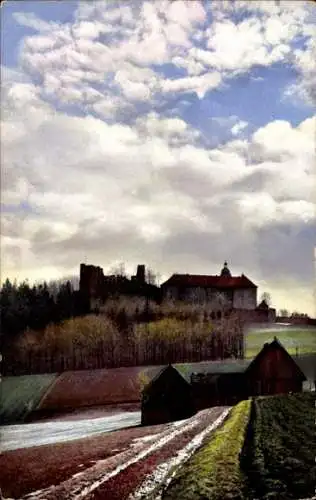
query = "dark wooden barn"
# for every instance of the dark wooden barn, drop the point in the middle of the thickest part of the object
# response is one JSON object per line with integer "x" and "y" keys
{"x": 170, "y": 397}
{"x": 273, "y": 371}
{"x": 166, "y": 398}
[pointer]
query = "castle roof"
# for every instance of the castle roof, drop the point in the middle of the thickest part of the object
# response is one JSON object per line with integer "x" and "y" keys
{"x": 209, "y": 281}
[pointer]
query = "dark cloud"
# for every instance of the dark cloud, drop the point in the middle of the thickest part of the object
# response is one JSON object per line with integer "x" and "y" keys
{"x": 285, "y": 251}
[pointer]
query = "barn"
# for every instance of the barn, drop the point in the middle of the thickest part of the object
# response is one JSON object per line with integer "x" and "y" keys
{"x": 166, "y": 398}
{"x": 273, "y": 371}
{"x": 171, "y": 396}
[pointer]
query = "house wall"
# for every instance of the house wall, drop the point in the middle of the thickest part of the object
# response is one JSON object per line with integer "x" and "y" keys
{"x": 168, "y": 398}
{"x": 195, "y": 294}
{"x": 245, "y": 298}
{"x": 239, "y": 299}
{"x": 170, "y": 293}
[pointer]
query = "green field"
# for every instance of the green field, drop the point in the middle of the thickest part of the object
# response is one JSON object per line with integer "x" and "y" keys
{"x": 214, "y": 472}
{"x": 293, "y": 339}
{"x": 20, "y": 395}
{"x": 266, "y": 449}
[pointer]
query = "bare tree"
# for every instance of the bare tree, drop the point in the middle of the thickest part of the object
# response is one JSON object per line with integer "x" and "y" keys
{"x": 266, "y": 296}
{"x": 119, "y": 270}
{"x": 284, "y": 312}
{"x": 151, "y": 276}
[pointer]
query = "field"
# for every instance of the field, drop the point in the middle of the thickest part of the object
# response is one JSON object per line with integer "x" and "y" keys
{"x": 214, "y": 472}
{"x": 271, "y": 458}
{"x": 20, "y": 395}
{"x": 113, "y": 466}
{"x": 281, "y": 448}
{"x": 259, "y": 449}
{"x": 75, "y": 389}
{"x": 295, "y": 339}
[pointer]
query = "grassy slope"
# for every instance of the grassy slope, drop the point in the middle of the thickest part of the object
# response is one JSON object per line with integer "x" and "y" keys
{"x": 214, "y": 472}
{"x": 281, "y": 447}
{"x": 302, "y": 338}
{"x": 20, "y": 395}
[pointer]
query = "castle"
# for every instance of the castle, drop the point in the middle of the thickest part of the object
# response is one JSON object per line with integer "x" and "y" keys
{"x": 238, "y": 293}
{"x": 98, "y": 287}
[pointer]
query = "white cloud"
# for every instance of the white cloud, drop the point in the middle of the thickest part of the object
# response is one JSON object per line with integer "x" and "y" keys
{"x": 199, "y": 84}
{"x": 96, "y": 188}
{"x": 305, "y": 62}
{"x": 75, "y": 57}
{"x": 148, "y": 190}
{"x": 239, "y": 127}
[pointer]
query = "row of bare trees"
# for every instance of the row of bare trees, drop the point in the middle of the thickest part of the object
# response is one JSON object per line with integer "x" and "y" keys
{"x": 179, "y": 333}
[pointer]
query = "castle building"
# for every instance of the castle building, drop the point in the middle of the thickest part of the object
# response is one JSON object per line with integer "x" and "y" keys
{"x": 239, "y": 292}
{"x": 98, "y": 287}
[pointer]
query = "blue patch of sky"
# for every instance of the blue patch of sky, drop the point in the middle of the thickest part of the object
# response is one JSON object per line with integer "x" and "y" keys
{"x": 13, "y": 32}
{"x": 170, "y": 71}
{"x": 11, "y": 208}
{"x": 300, "y": 42}
{"x": 255, "y": 97}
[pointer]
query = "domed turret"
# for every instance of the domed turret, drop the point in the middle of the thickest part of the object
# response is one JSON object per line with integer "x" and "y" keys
{"x": 225, "y": 271}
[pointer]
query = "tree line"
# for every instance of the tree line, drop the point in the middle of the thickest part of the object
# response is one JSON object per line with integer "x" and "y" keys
{"x": 34, "y": 307}
{"x": 95, "y": 341}
{"x": 50, "y": 327}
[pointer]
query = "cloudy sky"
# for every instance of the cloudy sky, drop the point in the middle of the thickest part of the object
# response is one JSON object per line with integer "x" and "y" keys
{"x": 175, "y": 134}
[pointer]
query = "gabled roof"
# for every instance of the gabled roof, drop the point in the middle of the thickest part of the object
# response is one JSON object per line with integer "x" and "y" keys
{"x": 168, "y": 368}
{"x": 272, "y": 345}
{"x": 263, "y": 305}
{"x": 204, "y": 281}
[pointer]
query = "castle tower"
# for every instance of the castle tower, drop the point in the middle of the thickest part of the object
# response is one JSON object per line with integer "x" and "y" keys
{"x": 140, "y": 274}
{"x": 225, "y": 271}
{"x": 91, "y": 280}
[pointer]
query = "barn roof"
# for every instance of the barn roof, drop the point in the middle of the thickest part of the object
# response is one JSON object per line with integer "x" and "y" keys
{"x": 169, "y": 368}
{"x": 203, "y": 281}
{"x": 213, "y": 367}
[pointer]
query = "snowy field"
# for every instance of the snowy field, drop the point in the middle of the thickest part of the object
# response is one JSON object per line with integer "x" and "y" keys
{"x": 13, "y": 437}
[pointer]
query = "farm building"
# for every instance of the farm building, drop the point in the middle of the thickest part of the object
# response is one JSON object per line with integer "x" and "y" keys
{"x": 273, "y": 371}
{"x": 170, "y": 397}
{"x": 166, "y": 398}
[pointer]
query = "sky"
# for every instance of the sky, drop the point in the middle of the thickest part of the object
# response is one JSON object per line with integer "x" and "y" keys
{"x": 171, "y": 133}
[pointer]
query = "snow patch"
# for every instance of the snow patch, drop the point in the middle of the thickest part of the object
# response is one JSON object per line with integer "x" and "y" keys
{"x": 103, "y": 470}
{"x": 145, "y": 439}
{"x": 179, "y": 422}
{"x": 155, "y": 446}
{"x": 159, "y": 475}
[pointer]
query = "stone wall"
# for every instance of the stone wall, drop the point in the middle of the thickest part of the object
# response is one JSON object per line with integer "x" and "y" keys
{"x": 296, "y": 320}
{"x": 245, "y": 299}
{"x": 258, "y": 315}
